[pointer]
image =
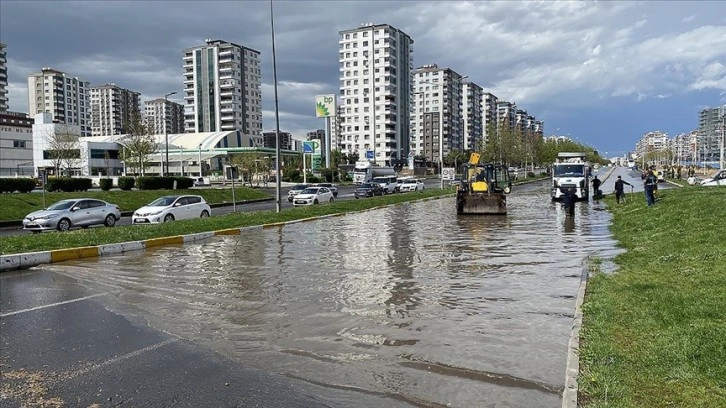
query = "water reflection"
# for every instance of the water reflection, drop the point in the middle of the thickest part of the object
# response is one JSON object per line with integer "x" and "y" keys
{"x": 410, "y": 302}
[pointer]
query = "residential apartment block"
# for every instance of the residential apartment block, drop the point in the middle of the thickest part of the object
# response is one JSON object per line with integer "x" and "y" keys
{"x": 711, "y": 133}
{"x": 473, "y": 116}
{"x": 161, "y": 114}
{"x": 651, "y": 142}
{"x": 270, "y": 140}
{"x": 222, "y": 89}
{"x": 16, "y": 144}
{"x": 112, "y": 108}
{"x": 375, "y": 92}
{"x": 65, "y": 98}
{"x": 489, "y": 114}
{"x": 4, "y": 106}
{"x": 437, "y": 125}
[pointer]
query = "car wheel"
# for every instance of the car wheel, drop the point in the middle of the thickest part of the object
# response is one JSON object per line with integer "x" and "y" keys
{"x": 316, "y": 201}
{"x": 356, "y": 197}
{"x": 64, "y": 224}
{"x": 168, "y": 217}
{"x": 205, "y": 214}
{"x": 110, "y": 220}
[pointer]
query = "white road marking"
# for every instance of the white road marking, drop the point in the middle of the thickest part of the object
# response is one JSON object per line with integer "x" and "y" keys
{"x": 51, "y": 305}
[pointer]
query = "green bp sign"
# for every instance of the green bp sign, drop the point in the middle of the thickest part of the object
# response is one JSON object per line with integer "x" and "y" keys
{"x": 325, "y": 106}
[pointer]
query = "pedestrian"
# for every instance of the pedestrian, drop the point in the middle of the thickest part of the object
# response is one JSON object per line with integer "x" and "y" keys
{"x": 568, "y": 200}
{"x": 596, "y": 186}
{"x": 619, "y": 189}
{"x": 649, "y": 182}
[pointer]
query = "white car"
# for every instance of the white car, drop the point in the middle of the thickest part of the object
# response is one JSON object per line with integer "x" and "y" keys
{"x": 78, "y": 212}
{"x": 295, "y": 190}
{"x": 411, "y": 185}
{"x": 718, "y": 179}
{"x": 313, "y": 195}
{"x": 170, "y": 208}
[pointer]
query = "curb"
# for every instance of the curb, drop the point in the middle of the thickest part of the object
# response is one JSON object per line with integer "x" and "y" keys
{"x": 28, "y": 260}
{"x": 572, "y": 370}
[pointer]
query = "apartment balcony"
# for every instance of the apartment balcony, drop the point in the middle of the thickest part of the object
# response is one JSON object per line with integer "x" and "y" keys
{"x": 188, "y": 64}
{"x": 188, "y": 81}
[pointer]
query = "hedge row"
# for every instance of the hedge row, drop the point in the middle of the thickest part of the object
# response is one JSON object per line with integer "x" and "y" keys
{"x": 68, "y": 184}
{"x": 164, "y": 183}
{"x": 23, "y": 185}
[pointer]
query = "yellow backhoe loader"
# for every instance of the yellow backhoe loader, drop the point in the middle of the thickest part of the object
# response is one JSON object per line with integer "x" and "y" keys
{"x": 483, "y": 188}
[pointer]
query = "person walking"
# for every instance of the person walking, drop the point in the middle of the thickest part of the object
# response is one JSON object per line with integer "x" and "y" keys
{"x": 596, "y": 186}
{"x": 619, "y": 189}
{"x": 649, "y": 182}
{"x": 568, "y": 200}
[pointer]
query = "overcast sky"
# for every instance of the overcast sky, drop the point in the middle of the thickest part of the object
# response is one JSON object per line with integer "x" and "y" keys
{"x": 602, "y": 72}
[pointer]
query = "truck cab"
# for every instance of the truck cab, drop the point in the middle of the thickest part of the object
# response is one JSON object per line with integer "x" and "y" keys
{"x": 571, "y": 171}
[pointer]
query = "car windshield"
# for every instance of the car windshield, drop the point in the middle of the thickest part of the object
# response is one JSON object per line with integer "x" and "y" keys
{"x": 379, "y": 180}
{"x": 575, "y": 170}
{"x": 299, "y": 187}
{"x": 62, "y": 205}
{"x": 163, "y": 201}
{"x": 312, "y": 190}
{"x": 409, "y": 182}
{"x": 368, "y": 185}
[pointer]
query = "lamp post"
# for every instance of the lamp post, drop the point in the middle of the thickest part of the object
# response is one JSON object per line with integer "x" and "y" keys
{"x": 200, "y": 161}
{"x": 166, "y": 133}
{"x": 277, "y": 116}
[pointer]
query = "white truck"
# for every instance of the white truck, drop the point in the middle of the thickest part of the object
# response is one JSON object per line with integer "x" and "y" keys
{"x": 364, "y": 172}
{"x": 571, "y": 171}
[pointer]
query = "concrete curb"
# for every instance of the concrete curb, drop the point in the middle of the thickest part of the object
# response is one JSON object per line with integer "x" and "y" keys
{"x": 28, "y": 260}
{"x": 572, "y": 371}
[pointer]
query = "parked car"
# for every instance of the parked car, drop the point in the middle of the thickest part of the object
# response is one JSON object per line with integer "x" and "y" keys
{"x": 411, "y": 185}
{"x": 170, "y": 208}
{"x": 314, "y": 195}
{"x": 368, "y": 190}
{"x": 718, "y": 179}
{"x": 78, "y": 212}
{"x": 295, "y": 190}
{"x": 388, "y": 183}
{"x": 399, "y": 182}
{"x": 331, "y": 186}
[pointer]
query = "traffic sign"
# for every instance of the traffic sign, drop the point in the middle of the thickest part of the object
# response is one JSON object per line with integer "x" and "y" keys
{"x": 369, "y": 155}
{"x": 448, "y": 173}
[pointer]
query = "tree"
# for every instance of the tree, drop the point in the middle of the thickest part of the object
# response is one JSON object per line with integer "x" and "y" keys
{"x": 139, "y": 144}
{"x": 336, "y": 158}
{"x": 63, "y": 148}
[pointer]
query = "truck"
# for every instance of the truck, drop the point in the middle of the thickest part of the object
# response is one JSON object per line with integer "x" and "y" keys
{"x": 571, "y": 171}
{"x": 364, "y": 172}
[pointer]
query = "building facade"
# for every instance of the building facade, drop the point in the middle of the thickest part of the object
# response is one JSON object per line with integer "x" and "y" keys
{"x": 375, "y": 92}
{"x": 711, "y": 133}
{"x": 270, "y": 140}
{"x": 473, "y": 116}
{"x": 437, "y": 126}
{"x": 65, "y": 98}
{"x": 16, "y": 144}
{"x": 4, "y": 102}
{"x": 161, "y": 113}
{"x": 654, "y": 141}
{"x": 223, "y": 89}
{"x": 489, "y": 108}
{"x": 112, "y": 108}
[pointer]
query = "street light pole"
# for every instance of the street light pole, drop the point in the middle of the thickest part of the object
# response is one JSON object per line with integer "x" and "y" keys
{"x": 166, "y": 133}
{"x": 278, "y": 207}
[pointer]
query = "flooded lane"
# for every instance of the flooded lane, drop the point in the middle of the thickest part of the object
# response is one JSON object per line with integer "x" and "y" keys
{"x": 410, "y": 303}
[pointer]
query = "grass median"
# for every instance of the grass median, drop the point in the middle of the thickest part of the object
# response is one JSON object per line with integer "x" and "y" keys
{"x": 98, "y": 236}
{"x": 16, "y": 206}
{"x": 654, "y": 332}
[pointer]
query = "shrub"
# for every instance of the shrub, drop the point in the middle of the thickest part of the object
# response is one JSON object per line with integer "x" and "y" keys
{"x": 23, "y": 185}
{"x": 530, "y": 174}
{"x": 164, "y": 183}
{"x": 126, "y": 183}
{"x": 68, "y": 184}
{"x": 106, "y": 184}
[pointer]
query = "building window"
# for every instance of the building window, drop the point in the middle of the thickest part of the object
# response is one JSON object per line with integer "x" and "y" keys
{"x": 20, "y": 144}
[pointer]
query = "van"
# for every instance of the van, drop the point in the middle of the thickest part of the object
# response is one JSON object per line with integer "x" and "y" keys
{"x": 387, "y": 183}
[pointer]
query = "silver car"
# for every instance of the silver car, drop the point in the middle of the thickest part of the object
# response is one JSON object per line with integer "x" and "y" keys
{"x": 78, "y": 212}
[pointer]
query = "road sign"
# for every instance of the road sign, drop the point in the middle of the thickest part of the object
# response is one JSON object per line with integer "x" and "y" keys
{"x": 369, "y": 155}
{"x": 448, "y": 173}
{"x": 309, "y": 147}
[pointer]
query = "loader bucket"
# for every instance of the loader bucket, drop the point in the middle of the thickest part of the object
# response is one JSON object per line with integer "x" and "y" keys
{"x": 494, "y": 204}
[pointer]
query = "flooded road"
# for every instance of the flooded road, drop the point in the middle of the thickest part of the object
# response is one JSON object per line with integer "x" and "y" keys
{"x": 412, "y": 303}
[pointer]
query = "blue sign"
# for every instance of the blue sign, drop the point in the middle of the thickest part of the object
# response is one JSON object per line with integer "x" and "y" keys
{"x": 309, "y": 147}
{"x": 369, "y": 154}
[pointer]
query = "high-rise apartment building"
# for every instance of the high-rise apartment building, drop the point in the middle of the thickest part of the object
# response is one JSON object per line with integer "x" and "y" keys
{"x": 270, "y": 140}
{"x": 506, "y": 116}
{"x": 160, "y": 113}
{"x": 375, "y": 92}
{"x": 112, "y": 108}
{"x": 3, "y": 79}
{"x": 438, "y": 114}
{"x": 489, "y": 108}
{"x": 223, "y": 89}
{"x": 473, "y": 116}
{"x": 65, "y": 98}
{"x": 711, "y": 133}
{"x": 653, "y": 141}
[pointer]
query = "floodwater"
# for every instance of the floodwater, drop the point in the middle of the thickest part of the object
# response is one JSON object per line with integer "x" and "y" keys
{"x": 411, "y": 304}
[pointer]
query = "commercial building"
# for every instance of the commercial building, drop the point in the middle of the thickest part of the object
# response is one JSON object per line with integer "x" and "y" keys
{"x": 4, "y": 103}
{"x": 65, "y": 98}
{"x": 222, "y": 89}
{"x": 112, "y": 108}
{"x": 160, "y": 113}
{"x": 375, "y": 92}
{"x": 16, "y": 144}
{"x": 438, "y": 114}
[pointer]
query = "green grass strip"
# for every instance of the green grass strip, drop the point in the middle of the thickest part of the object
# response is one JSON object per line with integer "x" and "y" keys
{"x": 654, "y": 332}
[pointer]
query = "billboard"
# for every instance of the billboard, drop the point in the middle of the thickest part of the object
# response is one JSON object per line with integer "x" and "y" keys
{"x": 325, "y": 106}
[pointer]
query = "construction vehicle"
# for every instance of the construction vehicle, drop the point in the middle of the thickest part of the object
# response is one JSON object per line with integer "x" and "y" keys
{"x": 571, "y": 172}
{"x": 483, "y": 188}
